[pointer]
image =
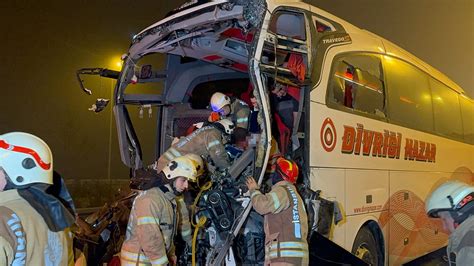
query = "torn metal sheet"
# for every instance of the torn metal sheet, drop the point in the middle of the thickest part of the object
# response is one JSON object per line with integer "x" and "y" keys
{"x": 99, "y": 105}
{"x": 254, "y": 10}
{"x": 164, "y": 35}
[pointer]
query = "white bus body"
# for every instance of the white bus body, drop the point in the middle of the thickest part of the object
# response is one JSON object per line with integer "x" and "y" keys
{"x": 376, "y": 137}
{"x": 387, "y": 192}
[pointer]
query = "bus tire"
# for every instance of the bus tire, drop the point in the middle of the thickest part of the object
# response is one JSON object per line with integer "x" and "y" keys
{"x": 366, "y": 247}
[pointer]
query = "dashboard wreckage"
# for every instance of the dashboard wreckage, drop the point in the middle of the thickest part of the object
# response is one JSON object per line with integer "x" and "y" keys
{"x": 237, "y": 47}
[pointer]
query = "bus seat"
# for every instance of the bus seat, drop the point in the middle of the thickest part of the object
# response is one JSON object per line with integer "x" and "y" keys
{"x": 284, "y": 134}
{"x": 294, "y": 92}
{"x": 246, "y": 95}
{"x": 348, "y": 88}
{"x": 190, "y": 130}
{"x": 297, "y": 66}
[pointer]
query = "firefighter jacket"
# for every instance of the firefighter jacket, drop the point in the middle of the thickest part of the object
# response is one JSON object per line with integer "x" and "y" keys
{"x": 25, "y": 238}
{"x": 151, "y": 228}
{"x": 461, "y": 242}
{"x": 184, "y": 224}
{"x": 285, "y": 222}
{"x": 239, "y": 113}
{"x": 206, "y": 141}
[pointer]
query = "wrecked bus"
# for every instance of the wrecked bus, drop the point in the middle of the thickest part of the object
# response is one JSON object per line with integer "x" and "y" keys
{"x": 376, "y": 129}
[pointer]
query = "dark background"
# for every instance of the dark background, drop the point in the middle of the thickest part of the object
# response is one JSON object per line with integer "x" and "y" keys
{"x": 43, "y": 43}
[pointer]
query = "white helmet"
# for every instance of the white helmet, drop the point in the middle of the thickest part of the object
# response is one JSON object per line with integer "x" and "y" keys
{"x": 197, "y": 161}
{"x": 227, "y": 125}
{"x": 181, "y": 167}
{"x": 451, "y": 196}
{"x": 219, "y": 100}
{"x": 26, "y": 159}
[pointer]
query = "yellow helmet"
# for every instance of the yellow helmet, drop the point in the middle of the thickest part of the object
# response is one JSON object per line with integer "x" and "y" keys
{"x": 181, "y": 167}
{"x": 198, "y": 161}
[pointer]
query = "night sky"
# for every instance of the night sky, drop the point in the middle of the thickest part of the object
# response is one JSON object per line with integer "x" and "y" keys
{"x": 44, "y": 43}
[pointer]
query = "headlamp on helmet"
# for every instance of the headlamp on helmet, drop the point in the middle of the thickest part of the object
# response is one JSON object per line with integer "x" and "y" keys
{"x": 218, "y": 101}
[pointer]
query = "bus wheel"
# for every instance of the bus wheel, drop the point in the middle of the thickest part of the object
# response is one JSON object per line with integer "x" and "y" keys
{"x": 365, "y": 247}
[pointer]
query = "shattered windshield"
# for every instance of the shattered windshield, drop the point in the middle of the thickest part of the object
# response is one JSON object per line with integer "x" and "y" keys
{"x": 188, "y": 5}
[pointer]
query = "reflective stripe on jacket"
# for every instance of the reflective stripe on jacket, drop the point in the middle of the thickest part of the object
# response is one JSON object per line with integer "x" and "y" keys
{"x": 25, "y": 238}
{"x": 461, "y": 242}
{"x": 286, "y": 224}
{"x": 206, "y": 141}
{"x": 184, "y": 224}
{"x": 150, "y": 230}
{"x": 240, "y": 113}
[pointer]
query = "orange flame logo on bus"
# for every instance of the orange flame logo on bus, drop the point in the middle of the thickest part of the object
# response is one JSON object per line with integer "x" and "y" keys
{"x": 328, "y": 135}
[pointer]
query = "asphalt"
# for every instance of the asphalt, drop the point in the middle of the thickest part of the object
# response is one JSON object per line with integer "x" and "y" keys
{"x": 435, "y": 258}
{"x": 325, "y": 252}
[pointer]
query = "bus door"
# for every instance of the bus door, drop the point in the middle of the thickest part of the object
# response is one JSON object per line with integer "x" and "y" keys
{"x": 144, "y": 94}
{"x": 185, "y": 32}
{"x": 286, "y": 62}
{"x": 134, "y": 74}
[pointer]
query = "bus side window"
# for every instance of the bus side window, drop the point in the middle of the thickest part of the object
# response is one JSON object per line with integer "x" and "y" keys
{"x": 289, "y": 24}
{"x": 321, "y": 27}
{"x": 409, "y": 95}
{"x": 357, "y": 83}
{"x": 446, "y": 110}
{"x": 285, "y": 53}
{"x": 467, "y": 112}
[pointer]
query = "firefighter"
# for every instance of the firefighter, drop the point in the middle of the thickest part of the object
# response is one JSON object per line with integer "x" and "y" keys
{"x": 185, "y": 224}
{"x": 207, "y": 141}
{"x": 154, "y": 217}
{"x": 34, "y": 225}
{"x": 285, "y": 219}
{"x": 232, "y": 108}
{"x": 453, "y": 202}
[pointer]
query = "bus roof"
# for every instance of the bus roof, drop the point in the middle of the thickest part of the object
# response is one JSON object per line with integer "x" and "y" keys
{"x": 184, "y": 12}
{"x": 392, "y": 49}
